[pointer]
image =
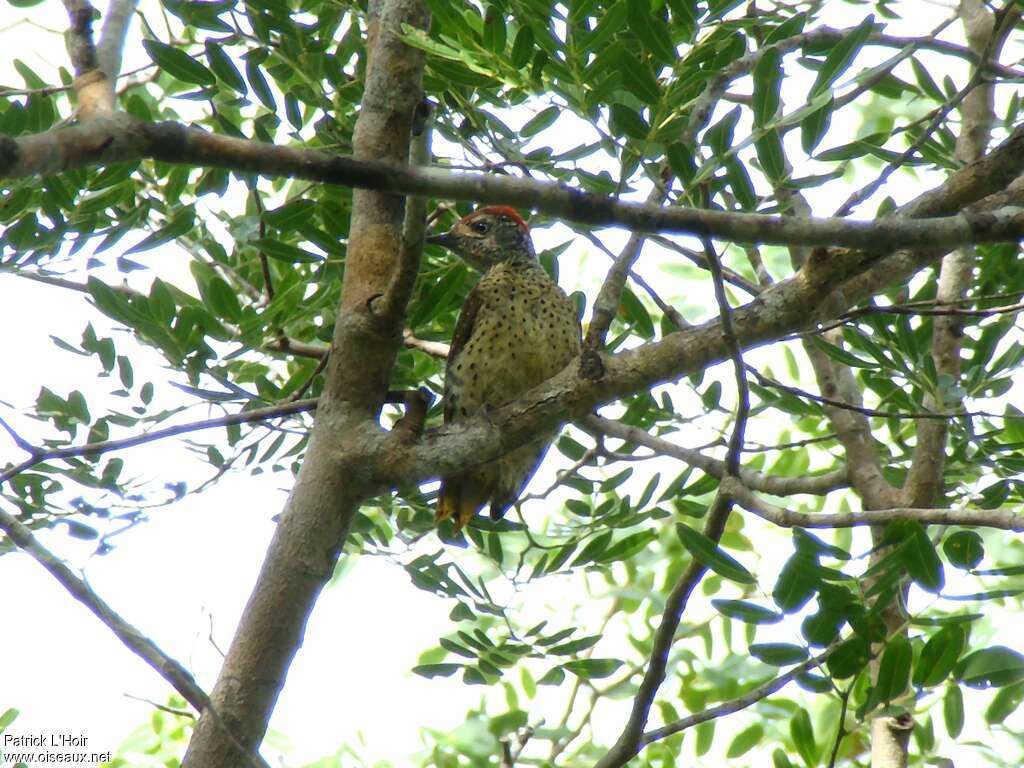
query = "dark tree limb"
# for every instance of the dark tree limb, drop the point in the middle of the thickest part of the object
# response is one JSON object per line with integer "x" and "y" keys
{"x": 108, "y": 138}
{"x": 335, "y": 475}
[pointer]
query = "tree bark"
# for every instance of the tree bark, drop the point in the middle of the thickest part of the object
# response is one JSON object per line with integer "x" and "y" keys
{"x": 336, "y": 473}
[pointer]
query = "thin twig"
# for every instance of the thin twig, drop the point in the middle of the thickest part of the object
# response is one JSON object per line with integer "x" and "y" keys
{"x": 753, "y": 696}
{"x": 844, "y": 699}
{"x": 38, "y": 455}
{"x": 301, "y": 391}
{"x": 162, "y": 707}
{"x": 169, "y": 669}
{"x": 732, "y": 461}
{"x": 766, "y": 483}
{"x": 774, "y": 384}
{"x": 667, "y": 309}
{"x": 701, "y": 261}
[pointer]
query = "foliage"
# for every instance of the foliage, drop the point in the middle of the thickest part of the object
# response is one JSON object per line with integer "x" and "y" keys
{"x": 609, "y": 97}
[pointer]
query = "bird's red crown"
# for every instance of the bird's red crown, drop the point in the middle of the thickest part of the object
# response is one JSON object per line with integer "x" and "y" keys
{"x": 499, "y": 210}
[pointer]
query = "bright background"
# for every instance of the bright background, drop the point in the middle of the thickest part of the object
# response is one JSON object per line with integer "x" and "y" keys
{"x": 183, "y": 577}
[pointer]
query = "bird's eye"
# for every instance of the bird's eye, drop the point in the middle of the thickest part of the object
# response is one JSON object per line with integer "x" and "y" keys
{"x": 480, "y": 227}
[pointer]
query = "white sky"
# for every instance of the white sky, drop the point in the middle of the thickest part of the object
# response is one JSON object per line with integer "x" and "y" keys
{"x": 193, "y": 564}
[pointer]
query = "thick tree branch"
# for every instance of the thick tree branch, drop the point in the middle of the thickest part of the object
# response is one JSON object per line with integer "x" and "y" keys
{"x": 336, "y": 472}
{"x": 120, "y": 137}
{"x": 115, "y": 28}
{"x": 94, "y": 89}
{"x": 925, "y": 477}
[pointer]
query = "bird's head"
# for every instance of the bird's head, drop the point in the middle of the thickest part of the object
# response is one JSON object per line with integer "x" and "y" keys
{"x": 488, "y": 236}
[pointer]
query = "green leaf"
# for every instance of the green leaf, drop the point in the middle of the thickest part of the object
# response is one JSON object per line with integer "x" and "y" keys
{"x": 178, "y": 64}
{"x": 543, "y": 119}
{"x": 953, "y": 711}
{"x": 627, "y": 121}
{"x": 894, "y": 669}
{"x": 628, "y": 546}
{"x": 706, "y": 552}
{"x": 574, "y": 646}
{"x": 778, "y": 654}
{"x": 259, "y": 85}
{"x": 495, "y": 32}
{"x": 224, "y": 68}
{"x": 771, "y": 155}
{"x": 522, "y": 48}
{"x": 554, "y": 676}
{"x": 815, "y": 125}
{"x": 840, "y": 56}
{"x": 802, "y": 733}
{"x": 991, "y": 668}
{"x": 745, "y": 741}
{"x": 8, "y": 717}
{"x": 849, "y": 657}
{"x": 745, "y": 611}
{"x": 964, "y": 549}
{"x": 919, "y": 557}
{"x": 593, "y": 669}
{"x": 637, "y": 314}
{"x": 452, "y": 647}
{"x": 705, "y": 738}
{"x": 797, "y": 582}
{"x": 925, "y": 81}
{"x": 640, "y": 79}
{"x": 841, "y": 355}
{"x": 594, "y": 549}
{"x": 175, "y": 228}
{"x": 939, "y": 656}
{"x": 1004, "y": 704}
{"x": 652, "y": 31}
{"x": 436, "y": 670}
{"x": 275, "y": 249}
{"x": 806, "y": 541}
{"x": 767, "y": 79}
{"x": 221, "y": 298}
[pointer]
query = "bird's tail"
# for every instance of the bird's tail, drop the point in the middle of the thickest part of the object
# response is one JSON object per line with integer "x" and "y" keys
{"x": 460, "y": 498}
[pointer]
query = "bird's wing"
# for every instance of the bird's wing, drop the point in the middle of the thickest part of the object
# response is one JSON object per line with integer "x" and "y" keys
{"x": 463, "y": 330}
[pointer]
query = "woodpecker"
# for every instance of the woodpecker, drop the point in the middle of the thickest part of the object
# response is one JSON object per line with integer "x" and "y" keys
{"x": 516, "y": 329}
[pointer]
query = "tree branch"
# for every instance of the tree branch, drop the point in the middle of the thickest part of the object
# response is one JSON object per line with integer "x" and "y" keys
{"x": 773, "y": 484}
{"x": 335, "y": 475}
{"x": 606, "y": 305}
{"x": 95, "y": 90}
{"x": 169, "y": 669}
{"x": 753, "y": 696}
{"x": 924, "y": 480}
{"x": 38, "y": 455}
{"x": 115, "y": 28}
{"x": 121, "y": 137}
{"x": 630, "y": 741}
{"x": 1007, "y": 519}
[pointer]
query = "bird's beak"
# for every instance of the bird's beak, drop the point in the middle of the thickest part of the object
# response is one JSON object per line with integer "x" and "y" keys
{"x": 445, "y": 241}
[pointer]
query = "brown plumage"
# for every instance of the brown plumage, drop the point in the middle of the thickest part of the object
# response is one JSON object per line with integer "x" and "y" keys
{"x": 516, "y": 329}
